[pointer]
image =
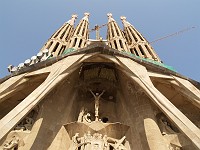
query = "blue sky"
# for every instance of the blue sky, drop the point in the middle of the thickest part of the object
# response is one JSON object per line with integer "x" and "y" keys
{"x": 26, "y": 25}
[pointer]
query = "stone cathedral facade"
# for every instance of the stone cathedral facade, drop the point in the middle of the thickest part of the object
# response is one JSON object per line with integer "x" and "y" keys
{"x": 79, "y": 93}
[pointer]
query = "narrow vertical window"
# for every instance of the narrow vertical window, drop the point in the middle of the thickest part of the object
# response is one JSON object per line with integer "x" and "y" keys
{"x": 136, "y": 51}
{"x": 121, "y": 44}
{"x": 115, "y": 44}
{"x": 79, "y": 28}
{"x": 80, "y": 43}
{"x": 116, "y": 29}
{"x": 56, "y": 46}
{"x": 59, "y": 31}
{"x": 133, "y": 34}
{"x": 64, "y": 32}
{"x": 49, "y": 44}
{"x": 84, "y": 27}
{"x": 112, "y": 30}
{"x": 141, "y": 50}
{"x": 75, "y": 40}
{"x": 62, "y": 49}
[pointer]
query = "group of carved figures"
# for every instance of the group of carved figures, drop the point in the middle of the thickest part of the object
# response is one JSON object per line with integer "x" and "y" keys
{"x": 28, "y": 121}
{"x": 25, "y": 124}
{"x": 11, "y": 144}
{"x": 96, "y": 142}
{"x": 84, "y": 115}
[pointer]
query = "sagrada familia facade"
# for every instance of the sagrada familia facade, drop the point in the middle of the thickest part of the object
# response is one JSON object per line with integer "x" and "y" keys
{"x": 94, "y": 94}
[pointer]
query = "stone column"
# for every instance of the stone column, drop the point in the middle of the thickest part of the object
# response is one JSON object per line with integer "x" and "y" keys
{"x": 154, "y": 136}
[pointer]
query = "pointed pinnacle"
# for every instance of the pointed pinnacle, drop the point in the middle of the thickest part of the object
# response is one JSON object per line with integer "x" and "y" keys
{"x": 125, "y": 23}
{"x": 110, "y": 18}
{"x": 72, "y": 20}
{"x": 87, "y": 14}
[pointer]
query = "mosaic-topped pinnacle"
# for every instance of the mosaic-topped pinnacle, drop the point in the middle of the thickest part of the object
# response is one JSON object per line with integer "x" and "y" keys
{"x": 86, "y": 16}
{"x": 110, "y": 18}
{"x": 125, "y": 23}
{"x": 72, "y": 20}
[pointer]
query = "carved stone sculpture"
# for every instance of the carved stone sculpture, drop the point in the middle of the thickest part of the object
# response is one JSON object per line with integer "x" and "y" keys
{"x": 80, "y": 117}
{"x": 165, "y": 126}
{"x": 25, "y": 124}
{"x": 75, "y": 142}
{"x": 28, "y": 121}
{"x": 96, "y": 142}
{"x": 87, "y": 118}
{"x": 97, "y": 97}
{"x": 12, "y": 144}
{"x": 84, "y": 116}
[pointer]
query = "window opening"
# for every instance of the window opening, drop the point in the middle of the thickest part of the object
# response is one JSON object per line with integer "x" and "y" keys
{"x": 136, "y": 51}
{"x": 56, "y": 46}
{"x": 141, "y": 49}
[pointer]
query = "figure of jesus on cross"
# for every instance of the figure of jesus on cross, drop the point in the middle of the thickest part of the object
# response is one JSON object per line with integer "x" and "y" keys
{"x": 96, "y": 103}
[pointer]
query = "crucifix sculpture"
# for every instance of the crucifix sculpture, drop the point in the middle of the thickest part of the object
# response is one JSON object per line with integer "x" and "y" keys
{"x": 96, "y": 103}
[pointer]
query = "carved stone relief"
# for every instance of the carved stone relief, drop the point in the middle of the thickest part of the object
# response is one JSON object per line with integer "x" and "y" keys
{"x": 28, "y": 121}
{"x": 12, "y": 144}
{"x": 165, "y": 126}
{"x": 96, "y": 141}
{"x": 84, "y": 116}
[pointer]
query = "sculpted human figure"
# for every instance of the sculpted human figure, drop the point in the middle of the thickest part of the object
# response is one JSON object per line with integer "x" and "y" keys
{"x": 75, "y": 142}
{"x": 88, "y": 139}
{"x": 29, "y": 123}
{"x": 86, "y": 118}
{"x": 12, "y": 144}
{"x": 96, "y": 102}
{"x": 80, "y": 117}
{"x": 165, "y": 126}
{"x": 105, "y": 142}
{"x": 25, "y": 124}
{"x": 20, "y": 126}
{"x": 117, "y": 143}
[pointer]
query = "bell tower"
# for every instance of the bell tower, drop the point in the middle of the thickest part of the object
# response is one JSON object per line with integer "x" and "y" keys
{"x": 59, "y": 41}
{"x": 81, "y": 34}
{"x": 115, "y": 36}
{"x": 138, "y": 45}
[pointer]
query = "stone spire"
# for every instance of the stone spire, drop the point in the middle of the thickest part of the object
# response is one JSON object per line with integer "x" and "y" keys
{"x": 81, "y": 33}
{"x": 115, "y": 36}
{"x": 60, "y": 39}
{"x": 137, "y": 43}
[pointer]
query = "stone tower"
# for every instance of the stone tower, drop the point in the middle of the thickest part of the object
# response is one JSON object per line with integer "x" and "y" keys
{"x": 137, "y": 43}
{"x": 115, "y": 36}
{"x": 112, "y": 94}
{"x": 81, "y": 34}
{"x": 59, "y": 41}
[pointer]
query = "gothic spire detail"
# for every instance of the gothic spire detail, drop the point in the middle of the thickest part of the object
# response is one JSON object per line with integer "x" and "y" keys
{"x": 60, "y": 39}
{"x": 86, "y": 17}
{"x": 115, "y": 36}
{"x": 81, "y": 33}
{"x": 137, "y": 43}
{"x": 72, "y": 20}
{"x": 110, "y": 18}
